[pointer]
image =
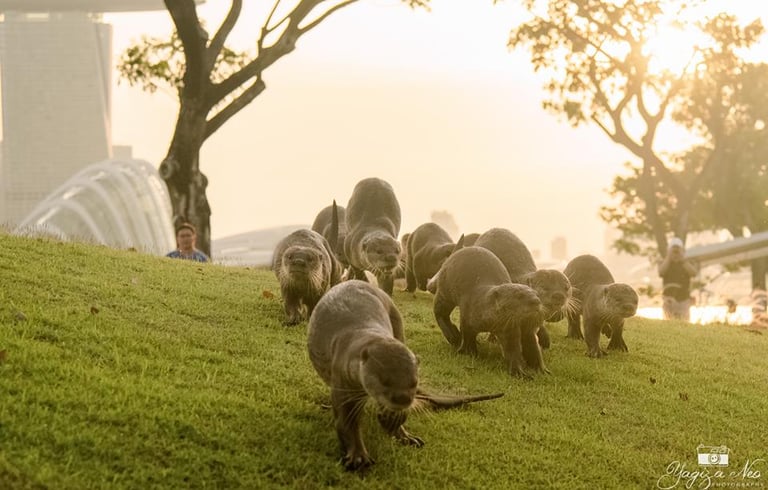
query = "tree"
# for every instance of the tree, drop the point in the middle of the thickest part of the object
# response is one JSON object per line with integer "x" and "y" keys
{"x": 213, "y": 84}
{"x": 733, "y": 197}
{"x": 601, "y": 72}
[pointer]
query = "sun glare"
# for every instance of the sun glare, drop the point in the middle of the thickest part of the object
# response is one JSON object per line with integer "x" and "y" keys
{"x": 672, "y": 48}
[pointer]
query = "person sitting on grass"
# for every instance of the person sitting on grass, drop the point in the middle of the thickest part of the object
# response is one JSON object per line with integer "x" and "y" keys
{"x": 185, "y": 241}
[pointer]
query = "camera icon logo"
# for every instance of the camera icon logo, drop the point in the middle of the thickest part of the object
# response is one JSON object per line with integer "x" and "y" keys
{"x": 713, "y": 455}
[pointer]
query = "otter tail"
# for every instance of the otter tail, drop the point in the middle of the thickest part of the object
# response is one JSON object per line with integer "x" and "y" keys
{"x": 443, "y": 402}
{"x": 333, "y": 240}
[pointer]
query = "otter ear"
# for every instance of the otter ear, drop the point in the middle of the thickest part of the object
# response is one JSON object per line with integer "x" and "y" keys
{"x": 364, "y": 355}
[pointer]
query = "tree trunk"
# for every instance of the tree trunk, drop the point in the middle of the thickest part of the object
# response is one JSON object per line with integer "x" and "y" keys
{"x": 181, "y": 172}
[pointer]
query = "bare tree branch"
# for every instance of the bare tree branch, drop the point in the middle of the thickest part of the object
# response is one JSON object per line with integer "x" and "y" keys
{"x": 325, "y": 15}
{"x": 234, "y": 107}
{"x": 268, "y": 55}
{"x": 217, "y": 43}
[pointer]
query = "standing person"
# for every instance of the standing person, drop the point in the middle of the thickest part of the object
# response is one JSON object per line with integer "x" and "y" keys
{"x": 185, "y": 241}
{"x": 676, "y": 273}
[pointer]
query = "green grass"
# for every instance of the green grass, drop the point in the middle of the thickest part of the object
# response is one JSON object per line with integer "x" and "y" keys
{"x": 122, "y": 370}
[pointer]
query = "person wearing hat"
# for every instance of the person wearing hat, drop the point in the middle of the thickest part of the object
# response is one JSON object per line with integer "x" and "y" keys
{"x": 676, "y": 273}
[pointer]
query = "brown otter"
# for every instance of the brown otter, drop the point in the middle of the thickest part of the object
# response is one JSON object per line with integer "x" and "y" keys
{"x": 604, "y": 303}
{"x": 476, "y": 281}
{"x": 357, "y": 346}
{"x": 428, "y": 247}
{"x": 306, "y": 268}
{"x": 373, "y": 223}
{"x": 552, "y": 286}
{"x": 331, "y": 223}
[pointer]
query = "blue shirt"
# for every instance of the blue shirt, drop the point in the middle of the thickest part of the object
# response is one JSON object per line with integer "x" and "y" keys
{"x": 197, "y": 256}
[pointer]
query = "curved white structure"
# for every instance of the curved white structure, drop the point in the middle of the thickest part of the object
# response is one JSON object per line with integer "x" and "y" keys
{"x": 118, "y": 203}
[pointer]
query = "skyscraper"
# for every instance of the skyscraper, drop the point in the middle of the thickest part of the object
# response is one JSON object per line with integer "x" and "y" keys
{"x": 56, "y": 68}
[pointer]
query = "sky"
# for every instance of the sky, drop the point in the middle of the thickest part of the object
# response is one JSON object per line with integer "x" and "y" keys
{"x": 432, "y": 102}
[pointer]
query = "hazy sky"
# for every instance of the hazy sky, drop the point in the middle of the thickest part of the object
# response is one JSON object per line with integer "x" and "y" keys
{"x": 432, "y": 102}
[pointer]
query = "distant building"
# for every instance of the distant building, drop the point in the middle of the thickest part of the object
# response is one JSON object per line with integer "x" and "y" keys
{"x": 118, "y": 203}
{"x": 56, "y": 59}
{"x": 559, "y": 248}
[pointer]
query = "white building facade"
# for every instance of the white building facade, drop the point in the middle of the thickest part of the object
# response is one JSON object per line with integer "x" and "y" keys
{"x": 56, "y": 75}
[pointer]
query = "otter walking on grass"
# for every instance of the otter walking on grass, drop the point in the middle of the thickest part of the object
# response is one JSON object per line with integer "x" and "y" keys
{"x": 603, "y": 303}
{"x": 373, "y": 223}
{"x": 552, "y": 286}
{"x": 306, "y": 268}
{"x": 428, "y": 247}
{"x": 357, "y": 345}
{"x": 476, "y": 281}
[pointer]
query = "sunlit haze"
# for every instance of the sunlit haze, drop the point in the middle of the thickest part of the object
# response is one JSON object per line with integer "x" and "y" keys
{"x": 432, "y": 102}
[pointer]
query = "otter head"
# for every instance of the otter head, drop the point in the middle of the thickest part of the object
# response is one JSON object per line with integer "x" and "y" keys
{"x": 302, "y": 263}
{"x": 516, "y": 301}
{"x": 553, "y": 289}
{"x": 389, "y": 374}
{"x": 620, "y": 300}
{"x": 381, "y": 251}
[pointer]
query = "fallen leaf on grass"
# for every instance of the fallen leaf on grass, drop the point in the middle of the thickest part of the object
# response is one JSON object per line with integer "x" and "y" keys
{"x": 94, "y": 310}
{"x": 20, "y": 316}
{"x": 268, "y": 294}
{"x": 2, "y": 356}
{"x": 683, "y": 396}
{"x": 603, "y": 412}
{"x": 653, "y": 380}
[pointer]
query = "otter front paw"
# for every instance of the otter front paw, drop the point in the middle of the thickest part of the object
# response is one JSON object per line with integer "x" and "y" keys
{"x": 519, "y": 372}
{"x": 292, "y": 321}
{"x": 617, "y": 343}
{"x": 355, "y": 461}
{"x": 408, "y": 439}
{"x": 596, "y": 353}
{"x": 470, "y": 349}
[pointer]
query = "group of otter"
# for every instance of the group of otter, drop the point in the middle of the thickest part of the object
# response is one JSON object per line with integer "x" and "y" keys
{"x": 356, "y": 340}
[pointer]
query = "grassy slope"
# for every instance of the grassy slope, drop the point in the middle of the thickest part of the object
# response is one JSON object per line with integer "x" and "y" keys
{"x": 130, "y": 371}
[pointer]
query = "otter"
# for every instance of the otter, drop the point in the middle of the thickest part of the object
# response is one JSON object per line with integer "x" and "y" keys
{"x": 476, "y": 281}
{"x": 356, "y": 344}
{"x": 603, "y": 303}
{"x": 552, "y": 286}
{"x": 306, "y": 268}
{"x": 373, "y": 223}
{"x": 331, "y": 223}
{"x": 428, "y": 247}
